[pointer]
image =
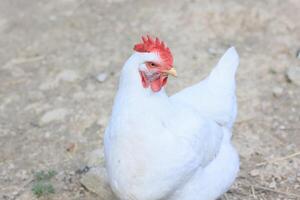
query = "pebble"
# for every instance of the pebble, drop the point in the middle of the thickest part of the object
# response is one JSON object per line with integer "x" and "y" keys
{"x": 95, "y": 158}
{"x": 3, "y": 24}
{"x": 11, "y": 166}
{"x": 214, "y": 51}
{"x": 58, "y": 114}
{"x": 298, "y": 54}
{"x": 293, "y": 75}
{"x": 22, "y": 174}
{"x": 48, "y": 85}
{"x": 254, "y": 172}
{"x": 277, "y": 91}
{"x": 53, "y": 18}
{"x": 67, "y": 75}
{"x": 96, "y": 181}
{"x": 273, "y": 184}
{"x": 102, "y": 77}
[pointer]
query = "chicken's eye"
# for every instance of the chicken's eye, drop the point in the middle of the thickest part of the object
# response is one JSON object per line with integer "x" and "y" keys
{"x": 152, "y": 64}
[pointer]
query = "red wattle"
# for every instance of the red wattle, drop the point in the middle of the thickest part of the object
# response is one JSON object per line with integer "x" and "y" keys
{"x": 156, "y": 85}
{"x": 145, "y": 82}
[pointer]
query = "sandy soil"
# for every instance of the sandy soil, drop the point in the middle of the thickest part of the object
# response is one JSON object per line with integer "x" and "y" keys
{"x": 53, "y": 110}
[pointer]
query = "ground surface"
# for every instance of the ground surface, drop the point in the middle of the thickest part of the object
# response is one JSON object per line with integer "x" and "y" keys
{"x": 53, "y": 110}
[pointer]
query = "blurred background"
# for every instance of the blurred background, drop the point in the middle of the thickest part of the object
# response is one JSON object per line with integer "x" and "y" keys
{"x": 60, "y": 62}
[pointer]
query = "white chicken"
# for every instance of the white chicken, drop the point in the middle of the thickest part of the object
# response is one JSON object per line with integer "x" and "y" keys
{"x": 173, "y": 148}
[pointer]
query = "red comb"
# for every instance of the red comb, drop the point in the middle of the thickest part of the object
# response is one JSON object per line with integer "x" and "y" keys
{"x": 150, "y": 45}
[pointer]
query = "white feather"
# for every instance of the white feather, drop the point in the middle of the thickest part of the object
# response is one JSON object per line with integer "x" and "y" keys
{"x": 215, "y": 95}
{"x": 158, "y": 147}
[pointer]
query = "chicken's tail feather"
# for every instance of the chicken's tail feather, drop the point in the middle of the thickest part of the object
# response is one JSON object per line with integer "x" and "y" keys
{"x": 223, "y": 75}
{"x": 221, "y": 84}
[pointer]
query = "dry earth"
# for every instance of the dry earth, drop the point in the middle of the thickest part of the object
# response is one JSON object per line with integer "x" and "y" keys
{"x": 59, "y": 66}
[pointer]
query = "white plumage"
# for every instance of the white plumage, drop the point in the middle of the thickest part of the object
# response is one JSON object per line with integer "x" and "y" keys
{"x": 173, "y": 148}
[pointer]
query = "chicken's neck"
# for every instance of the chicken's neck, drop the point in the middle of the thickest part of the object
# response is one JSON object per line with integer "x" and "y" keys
{"x": 131, "y": 93}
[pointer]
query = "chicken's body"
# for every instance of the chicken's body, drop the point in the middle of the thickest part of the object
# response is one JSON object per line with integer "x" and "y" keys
{"x": 173, "y": 148}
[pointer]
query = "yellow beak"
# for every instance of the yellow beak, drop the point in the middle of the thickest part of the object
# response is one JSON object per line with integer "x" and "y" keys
{"x": 172, "y": 72}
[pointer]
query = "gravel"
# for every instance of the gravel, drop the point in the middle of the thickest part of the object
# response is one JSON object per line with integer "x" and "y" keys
{"x": 60, "y": 62}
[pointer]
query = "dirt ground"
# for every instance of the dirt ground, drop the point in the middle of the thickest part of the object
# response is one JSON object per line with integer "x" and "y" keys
{"x": 60, "y": 62}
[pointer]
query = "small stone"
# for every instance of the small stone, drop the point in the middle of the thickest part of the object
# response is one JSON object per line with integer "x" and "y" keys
{"x": 291, "y": 179}
{"x": 3, "y": 24}
{"x": 48, "y": 85}
{"x": 277, "y": 91}
{"x": 52, "y": 18}
{"x": 298, "y": 54}
{"x": 102, "y": 77}
{"x": 96, "y": 181}
{"x": 293, "y": 75}
{"x": 11, "y": 166}
{"x": 281, "y": 127}
{"x": 254, "y": 172}
{"x": 213, "y": 51}
{"x": 22, "y": 174}
{"x": 67, "y": 75}
{"x": 95, "y": 158}
{"x": 273, "y": 184}
{"x": 54, "y": 115}
{"x": 47, "y": 134}
{"x": 71, "y": 147}
{"x": 102, "y": 121}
